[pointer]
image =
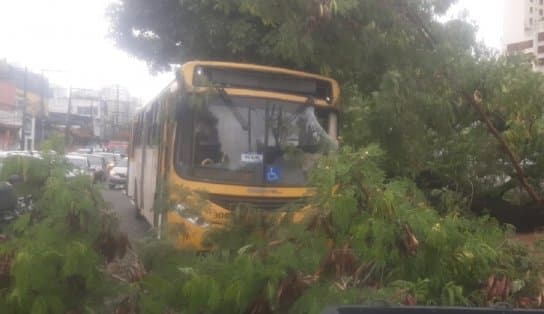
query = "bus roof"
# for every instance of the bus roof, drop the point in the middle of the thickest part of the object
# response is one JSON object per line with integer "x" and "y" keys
{"x": 187, "y": 70}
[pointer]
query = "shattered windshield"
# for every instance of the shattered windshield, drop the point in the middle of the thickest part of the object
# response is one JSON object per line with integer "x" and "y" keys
{"x": 251, "y": 141}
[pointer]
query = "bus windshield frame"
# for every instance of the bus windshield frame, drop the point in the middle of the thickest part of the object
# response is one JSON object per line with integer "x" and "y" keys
{"x": 250, "y": 141}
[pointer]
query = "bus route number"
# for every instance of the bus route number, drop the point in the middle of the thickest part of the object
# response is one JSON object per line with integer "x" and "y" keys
{"x": 222, "y": 215}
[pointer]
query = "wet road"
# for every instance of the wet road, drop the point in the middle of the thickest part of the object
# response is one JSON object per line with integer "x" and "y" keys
{"x": 134, "y": 226}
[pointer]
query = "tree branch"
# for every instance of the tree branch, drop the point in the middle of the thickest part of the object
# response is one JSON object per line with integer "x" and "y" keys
{"x": 514, "y": 160}
{"x": 475, "y": 100}
{"x": 525, "y": 217}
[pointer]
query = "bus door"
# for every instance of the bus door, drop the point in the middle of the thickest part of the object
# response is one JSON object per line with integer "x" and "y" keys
{"x": 150, "y": 163}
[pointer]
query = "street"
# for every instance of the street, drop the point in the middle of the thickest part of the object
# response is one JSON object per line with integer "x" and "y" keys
{"x": 129, "y": 222}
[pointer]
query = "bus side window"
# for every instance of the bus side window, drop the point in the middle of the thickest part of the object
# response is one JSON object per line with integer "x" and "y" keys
{"x": 183, "y": 140}
{"x": 137, "y": 130}
{"x": 156, "y": 123}
{"x": 132, "y": 138}
{"x": 148, "y": 125}
{"x": 153, "y": 124}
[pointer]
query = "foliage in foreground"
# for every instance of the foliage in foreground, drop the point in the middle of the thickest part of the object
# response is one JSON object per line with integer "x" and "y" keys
{"x": 51, "y": 258}
{"x": 55, "y": 142}
{"x": 367, "y": 240}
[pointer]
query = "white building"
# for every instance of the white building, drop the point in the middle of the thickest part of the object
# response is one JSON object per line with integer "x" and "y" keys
{"x": 121, "y": 105}
{"x": 80, "y": 103}
{"x": 110, "y": 109}
{"x": 524, "y": 28}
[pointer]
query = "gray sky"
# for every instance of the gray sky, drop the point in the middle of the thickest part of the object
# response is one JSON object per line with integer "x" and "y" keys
{"x": 488, "y": 15}
{"x": 70, "y": 36}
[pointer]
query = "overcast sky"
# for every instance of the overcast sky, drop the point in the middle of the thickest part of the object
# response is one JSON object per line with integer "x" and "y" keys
{"x": 67, "y": 38}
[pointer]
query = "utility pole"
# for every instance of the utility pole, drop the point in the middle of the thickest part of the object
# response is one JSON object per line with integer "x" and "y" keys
{"x": 67, "y": 124}
{"x": 92, "y": 118}
{"x": 42, "y": 109}
{"x": 42, "y": 101}
{"x": 24, "y": 112}
{"x": 117, "y": 111}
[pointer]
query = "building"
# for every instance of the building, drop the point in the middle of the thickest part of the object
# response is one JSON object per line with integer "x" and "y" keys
{"x": 10, "y": 118}
{"x": 121, "y": 104}
{"x": 81, "y": 110}
{"x": 524, "y": 29}
{"x": 23, "y": 107}
{"x": 120, "y": 107}
{"x": 30, "y": 110}
{"x": 92, "y": 115}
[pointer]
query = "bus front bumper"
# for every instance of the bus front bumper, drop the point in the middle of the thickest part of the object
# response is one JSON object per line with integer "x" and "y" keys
{"x": 187, "y": 233}
{"x": 190, "y": 233}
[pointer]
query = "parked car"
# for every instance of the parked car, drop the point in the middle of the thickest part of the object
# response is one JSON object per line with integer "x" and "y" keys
{"x": 120, "y": 153}
{"x": 110, "y": 160}
{"x": 85, "y": 150}
{"x": 8, "y": 201}
{"x": 118, "y": 174}
{"x": 80, "y": 165}
{"x": 25, "y": 153}
{"x": 3, "y": 155}
{"x": 11, "y": 153}
{"x": 98, "y": 150}
{"x": 98, "y": 167}
{"x": 12, "y": 206}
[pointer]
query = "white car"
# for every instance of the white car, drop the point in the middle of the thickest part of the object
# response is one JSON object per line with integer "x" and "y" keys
{"x": 3, "y": 155}
{"x": 110, "y": 159}
{"x": 80, "y": 164}
{"x": 24, "y": 153}
{"x": 84, "y": 151}
{"x": 10, "y": 153}
{"x": 118, "y": 174}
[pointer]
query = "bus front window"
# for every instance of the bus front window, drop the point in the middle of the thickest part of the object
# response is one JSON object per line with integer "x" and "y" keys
{"x": 250, "y": 141}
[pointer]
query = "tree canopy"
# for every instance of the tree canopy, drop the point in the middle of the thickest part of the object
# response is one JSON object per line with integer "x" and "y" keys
{"x": 302, "y": 34}
{"x": 449, "y": 112}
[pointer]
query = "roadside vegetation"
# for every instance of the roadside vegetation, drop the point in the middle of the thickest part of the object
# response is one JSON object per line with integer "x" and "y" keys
{"x": 442, "y": 151}
{"x": 366, "y": 239}
{"x": 52, "y": 258}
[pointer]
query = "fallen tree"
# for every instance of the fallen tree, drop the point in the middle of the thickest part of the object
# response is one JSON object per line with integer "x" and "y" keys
{"x": 368, "y": 240}
{"x": 408, "y": 81}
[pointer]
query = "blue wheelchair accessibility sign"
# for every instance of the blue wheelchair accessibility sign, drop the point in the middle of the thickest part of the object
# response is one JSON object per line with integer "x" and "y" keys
{"x": 273, "y": 174}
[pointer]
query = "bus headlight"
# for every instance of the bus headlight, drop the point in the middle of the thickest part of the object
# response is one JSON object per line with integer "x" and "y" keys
{"x": 180, "y": 208}
{"x": 190, "y": 217}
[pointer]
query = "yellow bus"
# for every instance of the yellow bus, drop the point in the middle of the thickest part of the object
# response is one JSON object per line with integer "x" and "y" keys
{"x": 239, "y": 133}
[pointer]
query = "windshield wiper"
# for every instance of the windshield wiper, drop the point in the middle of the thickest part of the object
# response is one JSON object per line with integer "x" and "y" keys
{"x": 310, "y": 102}
{"x": 226, "y": 98}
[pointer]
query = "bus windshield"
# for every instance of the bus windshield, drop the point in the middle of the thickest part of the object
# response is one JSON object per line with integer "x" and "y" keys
{"x": 251, "y": 141}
